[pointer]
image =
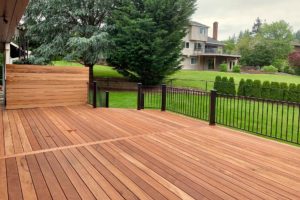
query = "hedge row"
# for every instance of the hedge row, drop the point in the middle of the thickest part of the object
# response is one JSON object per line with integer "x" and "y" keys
{"x": 225, "y": 85}
{"x": 269, "y": 90}
{"x": 265, "y": 90}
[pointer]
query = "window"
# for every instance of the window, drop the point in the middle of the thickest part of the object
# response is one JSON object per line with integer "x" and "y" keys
{"x": 203, "y": 30}
{"x": 193, "y": 60}
{"x": 187, "y": 45}
{"x": 198, "y": 46}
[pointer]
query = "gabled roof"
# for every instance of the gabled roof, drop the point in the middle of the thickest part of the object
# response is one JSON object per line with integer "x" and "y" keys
{"x": 213, "y": 41}
{"x": 296, "y": 43}
{"x": 193, "y": 23}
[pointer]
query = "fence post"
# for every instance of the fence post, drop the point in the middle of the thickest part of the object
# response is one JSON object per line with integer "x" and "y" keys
{"x": 94, "y": 94}
{"x": 143, "y": 100}
{"x": 212, "y": 110}
{"x": 139, "y": 97}
{"x": 163, "y": 97}
{"x": 107, "y": 99}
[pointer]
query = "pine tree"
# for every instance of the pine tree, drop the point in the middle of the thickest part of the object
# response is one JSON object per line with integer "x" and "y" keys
{"x": 241, "y": 89}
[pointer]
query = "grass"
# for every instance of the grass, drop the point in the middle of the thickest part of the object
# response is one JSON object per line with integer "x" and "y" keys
{"x": 275, "y": 121}
{"x": 99, "y": 70}
{"x": 193, "y": 79}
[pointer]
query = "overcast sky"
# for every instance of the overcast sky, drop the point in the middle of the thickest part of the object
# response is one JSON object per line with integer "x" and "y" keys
{"x": 236, "y": 15}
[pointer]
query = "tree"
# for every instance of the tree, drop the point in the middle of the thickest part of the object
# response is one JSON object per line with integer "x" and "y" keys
{"x": 257, "y": 25}
{"x": 72, "y": 29}
{"x": 241, "y": 89}
{"x": 294, "y": 60}
{"x": 297, "y": 35}
{"x": 230, "y": 45}
{"x": 147, "y": 37}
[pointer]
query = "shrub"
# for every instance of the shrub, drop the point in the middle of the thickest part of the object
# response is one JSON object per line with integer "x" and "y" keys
{"x": 275, "y": 91}
{"x": 257, "y": 88}
{"x": 280, "y": 64}
{"x": 249, "y": 88}
{"x": 241, "y": 89}
{"x": 298, "y": 93}
{"x": 223, "y": 67}
{"x": 218, "y": 83}
{"x": 270, "y": 69}
{"x": 236, "y": 69}
{"x": 224, "y": 86}
{"x": 292, "y": 94}
{"x": 294, "y": 60}
{"x": 265, "y": 90}
{"x": 231, "y": 86}
{"x": 283, "y": 91}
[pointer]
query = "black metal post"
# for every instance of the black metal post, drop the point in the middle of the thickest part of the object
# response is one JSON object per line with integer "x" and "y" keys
{"x": 143, "y": 101}
{"x": 94, "y": 94}
{"x": 212, "y": 110}
{"x": 163, "y": 97}
{"x": 107, "y": 99}
{"x": 139, "y": 96}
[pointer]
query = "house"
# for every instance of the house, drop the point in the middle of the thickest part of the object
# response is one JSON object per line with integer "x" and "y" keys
{"x": 296, "y": 46}
{"x": 202, "y": 52}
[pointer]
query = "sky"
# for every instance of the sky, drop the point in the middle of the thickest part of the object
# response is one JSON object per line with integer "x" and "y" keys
{"x": 236, "y": 15}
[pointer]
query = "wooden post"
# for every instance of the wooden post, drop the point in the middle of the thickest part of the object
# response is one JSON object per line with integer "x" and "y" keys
{"x": 163, "y": 97}
{"x": 212, "y": 110}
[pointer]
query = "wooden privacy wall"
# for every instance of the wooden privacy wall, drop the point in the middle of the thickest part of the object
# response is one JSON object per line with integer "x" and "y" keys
{"x": 29, "y": 86}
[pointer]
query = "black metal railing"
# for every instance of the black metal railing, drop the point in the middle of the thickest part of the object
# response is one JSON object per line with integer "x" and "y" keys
{"x": 96, "y": 96}
{"x": 270, "y": 118}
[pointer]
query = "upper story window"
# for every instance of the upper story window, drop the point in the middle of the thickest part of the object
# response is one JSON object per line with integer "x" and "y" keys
{"x": 187, "y": 45}
{"x": 202, "y": 30}
{"x": 198, "y": 46}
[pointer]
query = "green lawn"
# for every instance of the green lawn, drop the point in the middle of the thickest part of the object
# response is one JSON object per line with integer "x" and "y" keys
{"x": 193, "y": 79}
{"x": 99, "y": 70}
{"x": 269, "y": 120}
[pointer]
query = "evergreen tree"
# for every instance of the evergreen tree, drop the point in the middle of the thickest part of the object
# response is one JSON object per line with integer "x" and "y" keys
{"x": 218, "y": 83}
{"x": 257, "y": 88}
{"x": 283, "y": 91}
{"x": 231, "y": 86}
{"x": 147, "y": 37}
{"x": 241, "y": 89}
{"x": 275, "y": 91}
{"x": 224, "y": 86}
{"x": 257, "y": 25}
{"x": 249, "y": 88}
{"x": 71, "y": 29}
{"x": 265, "y": 90}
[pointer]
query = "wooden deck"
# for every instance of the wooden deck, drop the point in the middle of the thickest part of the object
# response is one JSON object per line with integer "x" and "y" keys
{"x": 77, "y": 152}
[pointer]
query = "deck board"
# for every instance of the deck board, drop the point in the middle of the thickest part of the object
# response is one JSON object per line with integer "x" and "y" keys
{"x": 77, "y": 152}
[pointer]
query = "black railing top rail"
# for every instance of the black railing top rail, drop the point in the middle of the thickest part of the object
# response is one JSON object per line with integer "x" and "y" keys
{"x": 187, "y": 89}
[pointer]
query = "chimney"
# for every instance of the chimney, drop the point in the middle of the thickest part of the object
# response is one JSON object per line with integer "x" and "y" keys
{"x": 215, "y": 30}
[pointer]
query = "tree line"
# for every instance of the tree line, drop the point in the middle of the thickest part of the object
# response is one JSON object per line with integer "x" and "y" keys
{"x": 141, "y": 39}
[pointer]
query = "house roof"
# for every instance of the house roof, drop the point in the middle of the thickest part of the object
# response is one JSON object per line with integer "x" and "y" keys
{"x": 296, "y": 44}
{"x": 11, "y": 12}
{"x": 213, "y": 41}
{"x": 193, "y": 23}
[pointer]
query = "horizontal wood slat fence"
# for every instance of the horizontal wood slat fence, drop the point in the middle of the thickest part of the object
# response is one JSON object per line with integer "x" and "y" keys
{"x": 30, "y": 86}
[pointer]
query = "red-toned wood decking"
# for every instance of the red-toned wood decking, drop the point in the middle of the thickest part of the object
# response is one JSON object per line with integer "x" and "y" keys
{"x": 83, "y": 153}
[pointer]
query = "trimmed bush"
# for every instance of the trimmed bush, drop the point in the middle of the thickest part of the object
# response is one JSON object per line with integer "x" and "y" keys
{"x": 280, "y": 64}
{"x": 241, "y": 89}
{"x": 275, "y": 91}
{"x": 292, "y": 94}
{"x": 265, "y": 90}
{"x": 298, "y": 93}
{"x": 283, "y": 91}
{"x": 218, "y": 83}
{"x": 257, "y": 89}
{"x": 249, "y": 88}
{"x": 270, "y": 69}
{"x": 236, "y": 69}
{"x": 224, "y": 86}
{"x": 231, "y": 86}
{"x": 223, "y": 67}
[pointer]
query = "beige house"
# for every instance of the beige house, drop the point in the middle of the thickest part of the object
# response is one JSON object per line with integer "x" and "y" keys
{"x": 202, "y": 52}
